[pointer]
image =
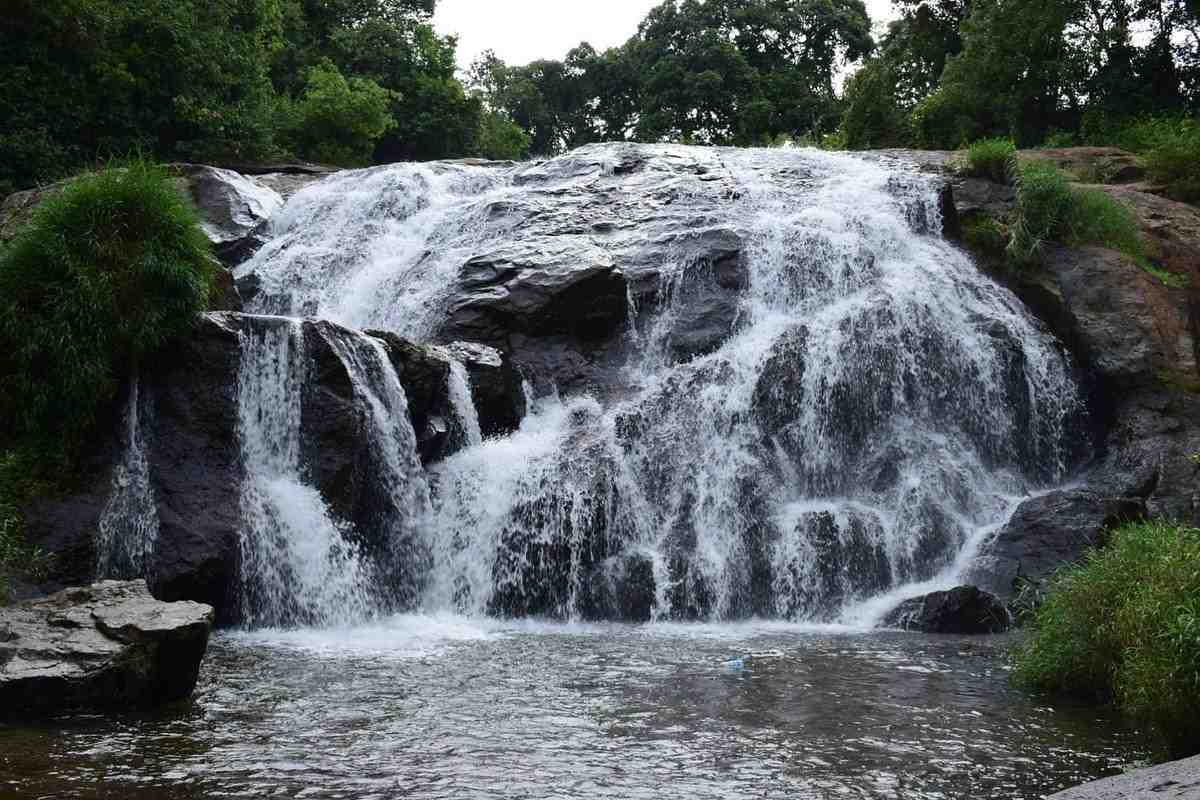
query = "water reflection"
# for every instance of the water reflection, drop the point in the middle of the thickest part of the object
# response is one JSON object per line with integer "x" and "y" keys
{"x": 451, "y": 708}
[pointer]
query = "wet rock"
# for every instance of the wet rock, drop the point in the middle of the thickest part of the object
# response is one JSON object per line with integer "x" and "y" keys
{"x": 496, "y": 386}
{"x": 234, "y": 209}
{"x": 620, "y": 588}
{"x": 424, "y": 372}
{"x": 1045, "y": 534}
{"x": 193, "y": 450}
{"x": 193, "y": 455}
{"x": 962, "y": 610}
{"x": 108, "y": 645}
{"x": 1175, "y": 780}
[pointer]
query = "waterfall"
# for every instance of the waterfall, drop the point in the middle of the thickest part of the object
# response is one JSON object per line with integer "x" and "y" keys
{"x": 458, "y": 386}
{"x": 876, "y": 408}
{"x": 296, "y": 564}
{"x": 128, "y": 527}
{"x": 300, "y": 563}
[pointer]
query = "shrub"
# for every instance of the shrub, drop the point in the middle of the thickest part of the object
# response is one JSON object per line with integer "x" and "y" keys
{"x": 1049, "y": 209}
{"x": 107, "y": 271}
{"x": 1124, "y": 626}
{"x": 991, "y": 159}
{"x": 1174, "y": 161}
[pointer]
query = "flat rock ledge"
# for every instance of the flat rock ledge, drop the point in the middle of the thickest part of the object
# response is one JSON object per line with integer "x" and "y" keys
{"x": 108, "y": 645}
{"x": 1176, "y": 780}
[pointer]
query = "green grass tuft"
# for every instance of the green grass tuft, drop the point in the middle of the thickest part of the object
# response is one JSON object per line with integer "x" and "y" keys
{"x": 107, "y": 272}
{"x": 1124, "y": 626}
{"x": 1049, "y": 209}
{"x": 991, "y": 159}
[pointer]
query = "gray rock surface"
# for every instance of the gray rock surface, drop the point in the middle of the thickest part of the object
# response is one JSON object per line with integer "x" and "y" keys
{"x": 1176, "y": 780}
{"x": 108, "y": 645}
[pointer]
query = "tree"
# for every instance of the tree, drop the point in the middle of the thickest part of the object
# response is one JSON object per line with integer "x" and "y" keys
{"x": 82, "y": 79}
{"x": 339, "y": 120}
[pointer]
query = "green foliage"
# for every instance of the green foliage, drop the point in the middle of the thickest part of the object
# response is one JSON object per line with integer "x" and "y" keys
{"x": 339, "y": 121}
{"x": 1049, "y": 209}
{"x": 1125, "y": 626}
{"x": 1173, "y": 159}
{"x": 872, "y": 117}
{"x": 108, "y": 271}
{"x": 20, "y": 481}
{"x": 85, "y": 79}
{"x": 991, "y": 158}
{"x": 502, "y": 139}
{"x": 984, "y": 236}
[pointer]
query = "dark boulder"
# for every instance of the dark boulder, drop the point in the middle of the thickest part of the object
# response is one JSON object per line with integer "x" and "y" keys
{"x": 1045, "y": 534}
{"x": 423, "y": 372}
{"x": 620, "y": 588}
{"x": 963, "y": 610}
{"x": 108, "y": 645}
{"x": 190, "y": 428}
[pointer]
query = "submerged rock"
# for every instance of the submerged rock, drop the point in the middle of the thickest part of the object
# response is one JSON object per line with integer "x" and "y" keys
{"x": 963, "y": 609}
{"x": 108, "y": 645}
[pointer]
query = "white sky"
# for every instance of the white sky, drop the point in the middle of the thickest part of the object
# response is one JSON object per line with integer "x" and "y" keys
{"x": 521, "y": 31}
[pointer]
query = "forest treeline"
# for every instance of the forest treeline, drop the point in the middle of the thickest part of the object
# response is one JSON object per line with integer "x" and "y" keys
{"x": 370, "y": 81}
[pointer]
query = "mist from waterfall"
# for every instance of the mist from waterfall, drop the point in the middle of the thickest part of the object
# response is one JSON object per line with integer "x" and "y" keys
{"x": 879, "y": 407}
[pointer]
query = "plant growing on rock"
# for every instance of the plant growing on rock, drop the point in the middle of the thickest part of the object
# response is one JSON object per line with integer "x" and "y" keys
{"x": 1124, "y": 626}
{"x": 991, "y": 158}
{"x": 1049, "y": 209}
{"x": 107, "y": 272}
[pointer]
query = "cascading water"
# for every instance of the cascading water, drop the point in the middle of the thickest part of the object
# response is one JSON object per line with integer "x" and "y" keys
{"x": 128, "y": 527}
{"x": 458, "y": 386}
{"x": 300, "y": 563}
{"x": 296, "y": 565}
{"x": 876, "y": 408}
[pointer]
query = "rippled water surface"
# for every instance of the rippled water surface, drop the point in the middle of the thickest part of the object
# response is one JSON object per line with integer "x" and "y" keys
{"x": 433, "y": 707}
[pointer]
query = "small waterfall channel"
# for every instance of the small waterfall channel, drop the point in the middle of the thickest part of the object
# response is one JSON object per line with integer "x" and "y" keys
{"x": 877, "y": 407}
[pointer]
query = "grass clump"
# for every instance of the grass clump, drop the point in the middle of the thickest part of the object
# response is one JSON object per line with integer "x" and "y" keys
{"x": 1124, "y": 627}
{"x": 1049, "y": 209}
{"x": 1170, "y": 149}
{"x": 107, "y": 271}
{"x": 991, "y": 159}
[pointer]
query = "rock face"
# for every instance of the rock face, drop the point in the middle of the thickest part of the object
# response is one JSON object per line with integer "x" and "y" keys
{"x": 1176, "y": 780}
{"x": 190, "y": 422}
{"x": 1136, "y": 339}
{"x": 1046, "y": 534}
{"x": 234, "y": 209}
{"x": 964, "y": 609}
{"x": 109, "y": 645}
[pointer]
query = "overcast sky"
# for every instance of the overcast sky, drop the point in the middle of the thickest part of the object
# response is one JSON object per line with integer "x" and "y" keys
{"x": 521, "y": 31}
